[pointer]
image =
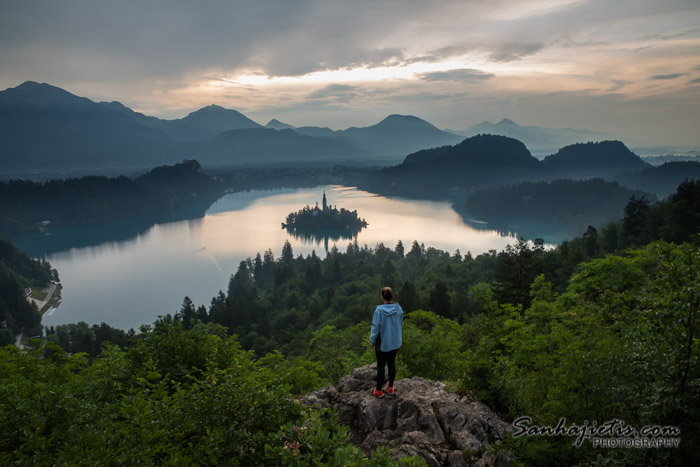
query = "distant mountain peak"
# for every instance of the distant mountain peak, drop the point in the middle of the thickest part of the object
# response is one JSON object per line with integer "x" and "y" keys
{"x": 29, "y": 85}
{"x": 403, "y": 118}
{"x": 277, "y": 125}
{"x": 116, "y": 104}
{"x": 31, "y": 94}
{"x": 33, "y": 85}
{"x": 212, "y": 109}
{"x": 507, "y": 121}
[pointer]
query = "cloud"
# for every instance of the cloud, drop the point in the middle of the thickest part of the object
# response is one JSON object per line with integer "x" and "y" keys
{"x": 464, "y": 75}
{"x": 333, "y": 96}
{"x": 669, "y": 76}
{"x": 694, "y": 81}
{"x": 617, "y": 85}
{"x": 334, "y": 91}
{"x": 169, "y": 57}
{"x": 515, "y": 51}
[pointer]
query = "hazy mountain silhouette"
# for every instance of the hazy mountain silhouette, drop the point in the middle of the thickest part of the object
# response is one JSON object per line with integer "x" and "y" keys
{"x": 45, "y": 127}
{"x": 201, "y": 125}
{"x": 208, "y": 122}
{"x": 267, "y": 146}
{"x": 277, "y": 125}
{"x": 318, "y": 131}
{"x": 42, "y": 126}
{"x": 393, "y": 137}
{"x": 536, "y": 138}
{"x": 145, "y": 120}
{"x": 398, "y": 135}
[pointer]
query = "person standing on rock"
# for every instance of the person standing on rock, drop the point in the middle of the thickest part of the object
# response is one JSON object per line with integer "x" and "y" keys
{"x": 385, "y": 339}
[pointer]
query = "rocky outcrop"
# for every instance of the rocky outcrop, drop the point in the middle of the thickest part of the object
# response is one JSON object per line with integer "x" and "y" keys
{"x": 421, "y": 418}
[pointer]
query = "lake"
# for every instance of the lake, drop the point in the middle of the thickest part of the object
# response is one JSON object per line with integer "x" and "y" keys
{"x": 150, "y": 269}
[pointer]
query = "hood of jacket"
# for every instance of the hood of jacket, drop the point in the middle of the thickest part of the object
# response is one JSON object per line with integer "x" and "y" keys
{"x": 389, "y": 309}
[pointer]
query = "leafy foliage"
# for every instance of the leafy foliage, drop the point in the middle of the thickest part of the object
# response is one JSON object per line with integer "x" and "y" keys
{"x": 176, "y": 397}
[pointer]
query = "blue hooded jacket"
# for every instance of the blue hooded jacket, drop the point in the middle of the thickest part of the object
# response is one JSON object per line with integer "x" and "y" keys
{"x": 387, "y": 324}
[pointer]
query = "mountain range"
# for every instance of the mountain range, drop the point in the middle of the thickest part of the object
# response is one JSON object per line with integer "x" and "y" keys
{"x": 44, "y": 128}
{"x": 396, "y": 135}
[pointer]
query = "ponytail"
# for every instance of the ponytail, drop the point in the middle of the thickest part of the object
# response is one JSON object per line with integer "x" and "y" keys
{"x": 387, "y": 294}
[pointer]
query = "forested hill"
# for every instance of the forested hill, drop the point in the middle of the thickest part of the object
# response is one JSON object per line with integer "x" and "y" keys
{"x": 479, "y": 152}
{"x": 662, "y": 179}
{"x": 477, "y": 161}
{"x": 602, "y": 158}
{"x": 573, "y": 204}
{"x": 163, "y": 192}
{"x": 487, "y": 160}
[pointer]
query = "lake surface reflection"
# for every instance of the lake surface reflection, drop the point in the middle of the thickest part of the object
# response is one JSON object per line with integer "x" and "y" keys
{"x": 130, "y": 282}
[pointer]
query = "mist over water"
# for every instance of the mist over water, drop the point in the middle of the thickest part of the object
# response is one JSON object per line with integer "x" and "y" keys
{"x": 131, "y": 281}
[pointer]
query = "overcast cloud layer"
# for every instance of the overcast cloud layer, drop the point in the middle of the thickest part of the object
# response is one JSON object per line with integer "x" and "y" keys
{"x": 629, "y": 67}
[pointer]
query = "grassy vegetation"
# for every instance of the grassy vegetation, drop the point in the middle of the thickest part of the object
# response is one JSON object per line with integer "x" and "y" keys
{"x": 39, "y": 294}
{"x": 55, "y": 298}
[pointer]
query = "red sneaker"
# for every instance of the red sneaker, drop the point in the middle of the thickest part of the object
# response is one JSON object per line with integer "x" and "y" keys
{"x": 379, "y": 393}
{"x": 389, "y": 389}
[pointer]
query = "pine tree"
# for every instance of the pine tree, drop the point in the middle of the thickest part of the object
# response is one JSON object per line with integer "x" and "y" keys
{"x": 388, "y": 270}
{"x": 399, "y": 249}
{"x": 408, "y": 297}
{"x": 518, "y": 267}
{"x": 287, "y": 254}
{"x": 440, "y": 300}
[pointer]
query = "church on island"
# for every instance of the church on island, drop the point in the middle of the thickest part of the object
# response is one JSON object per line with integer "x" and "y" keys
{"x": 326, "y": 217}
{"x": 325, "y": 206}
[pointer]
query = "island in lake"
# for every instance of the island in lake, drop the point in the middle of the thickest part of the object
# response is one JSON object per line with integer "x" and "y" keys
{"x": 319, "y": 222}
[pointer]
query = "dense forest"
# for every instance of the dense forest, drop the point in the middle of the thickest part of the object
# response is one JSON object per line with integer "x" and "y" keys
{"x": 18, "y": 272}
{"x": 164, "y": 192}
{"x": 573, "y": 204}
{"x": 605, "y": 325}
{"x": 662, "y": 179}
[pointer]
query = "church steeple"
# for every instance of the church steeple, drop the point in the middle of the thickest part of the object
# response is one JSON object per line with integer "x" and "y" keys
{"x": 325, "y": 204}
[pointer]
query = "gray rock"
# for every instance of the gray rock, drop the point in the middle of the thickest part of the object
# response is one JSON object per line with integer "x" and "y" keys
{"x": 421, "y": 418}
{"x": 456, "y": 459}
{"x": 323, "y": 398}
{"x": 374, "y": 440}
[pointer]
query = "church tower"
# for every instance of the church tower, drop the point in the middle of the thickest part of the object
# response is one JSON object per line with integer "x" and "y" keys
{"x": 325, "y": 204}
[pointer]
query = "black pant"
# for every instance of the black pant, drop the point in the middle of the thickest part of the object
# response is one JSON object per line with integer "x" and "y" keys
{"x": 388, "y": 358}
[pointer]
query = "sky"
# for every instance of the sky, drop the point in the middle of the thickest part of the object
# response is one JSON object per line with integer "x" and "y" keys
{"x": 630, "y": 68}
